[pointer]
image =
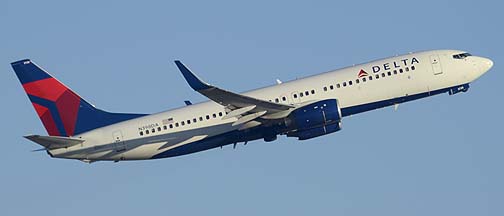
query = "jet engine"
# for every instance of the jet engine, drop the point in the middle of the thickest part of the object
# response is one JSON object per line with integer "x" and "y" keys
{"x": 315, "y": 119}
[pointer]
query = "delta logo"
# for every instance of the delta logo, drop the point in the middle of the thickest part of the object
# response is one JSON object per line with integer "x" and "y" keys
{"x": 362, "y": 73}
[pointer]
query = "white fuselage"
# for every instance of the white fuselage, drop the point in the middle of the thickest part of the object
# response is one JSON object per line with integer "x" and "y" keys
{"x": 411, "y": 74}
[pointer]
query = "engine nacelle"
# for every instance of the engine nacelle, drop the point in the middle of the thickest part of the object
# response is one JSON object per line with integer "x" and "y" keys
{"x": 316, "y": 119}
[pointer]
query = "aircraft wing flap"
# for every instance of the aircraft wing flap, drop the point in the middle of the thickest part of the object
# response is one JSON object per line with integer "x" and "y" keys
{"x": 226, "y": 98}
{"x": 239, "y": 112}
{"x": 54, "y": 142}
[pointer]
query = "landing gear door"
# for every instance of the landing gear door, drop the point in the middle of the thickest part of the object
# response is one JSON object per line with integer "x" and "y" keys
{"x": 118, "y": 141}
{"x": 436, "y": 64}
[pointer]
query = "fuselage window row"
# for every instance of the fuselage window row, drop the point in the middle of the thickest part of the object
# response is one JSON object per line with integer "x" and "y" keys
{"x": 179, "y": 124}
{"x": 368, "y": 78}
{"x": 294, "y": 95}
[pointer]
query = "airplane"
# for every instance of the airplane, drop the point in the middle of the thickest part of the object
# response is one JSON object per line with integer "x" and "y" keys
{"x": 303, "y": 108}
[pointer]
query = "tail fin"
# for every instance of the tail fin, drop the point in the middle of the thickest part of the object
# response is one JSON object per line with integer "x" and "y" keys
{"x": 63, "y": 112}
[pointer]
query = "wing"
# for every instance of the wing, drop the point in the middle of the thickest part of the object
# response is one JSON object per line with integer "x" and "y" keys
{"x": 237, "y": 103}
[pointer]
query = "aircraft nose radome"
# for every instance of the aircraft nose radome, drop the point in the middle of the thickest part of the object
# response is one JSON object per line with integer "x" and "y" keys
{"x": 489, "y": 63}
{"x": 485, "y": 64}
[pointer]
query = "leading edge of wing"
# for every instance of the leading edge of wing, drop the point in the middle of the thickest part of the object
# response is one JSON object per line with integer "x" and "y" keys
{"x": 225, "y": 97}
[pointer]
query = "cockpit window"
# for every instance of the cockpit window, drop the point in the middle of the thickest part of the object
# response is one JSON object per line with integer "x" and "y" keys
{"x": 461, "y": 56}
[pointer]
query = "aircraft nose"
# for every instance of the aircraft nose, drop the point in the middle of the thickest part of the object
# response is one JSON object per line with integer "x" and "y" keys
{"x": 484, "y": 64}
{"x": 488, "y": 63}
{"x": 481, "y": 66}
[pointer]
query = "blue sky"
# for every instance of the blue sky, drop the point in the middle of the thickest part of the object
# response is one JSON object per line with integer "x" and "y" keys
{"x": 437, "y": 156}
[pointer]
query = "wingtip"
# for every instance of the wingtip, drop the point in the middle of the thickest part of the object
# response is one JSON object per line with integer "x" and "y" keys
{"x": 191, "y": 78}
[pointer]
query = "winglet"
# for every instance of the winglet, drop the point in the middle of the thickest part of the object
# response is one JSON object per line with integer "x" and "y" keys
{"x": 191, "y": 78}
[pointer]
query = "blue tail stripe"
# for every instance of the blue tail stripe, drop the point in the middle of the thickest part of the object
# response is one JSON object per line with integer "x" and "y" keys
{"x": 27, "y": 71}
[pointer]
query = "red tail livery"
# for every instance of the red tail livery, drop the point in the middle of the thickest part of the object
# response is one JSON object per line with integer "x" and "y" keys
{"x": 62, "y": 111}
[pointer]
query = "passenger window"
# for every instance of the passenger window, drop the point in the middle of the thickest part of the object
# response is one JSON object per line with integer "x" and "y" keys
{"x": 220, "y": 113}
{"x": 325, "y": 88}
{"x": 164, "y": 127}
{"x": 407, "y": 69}
{"x": 364, "y": 79}
{"x": 400, "y": 70}
{"x": 370, "y": 77}
{"x": 194, "y": 120}
{"x": 344, "y": 84}
{"x": 176, "y": 124}
{"x": 412, "y": 67}
{"x": 313, "y": 91}
{"x": 207, "y": 117}
{"x": 284, "y": 99}
{"x": 201, "y": 118}
{"x": 153, "y": 130}
{"x": 331, "y": 87}
{"x": 141, "y": 133}
{"x": 338, "y": 85}
{"x": 383, "y": 74}
{"x": 147, "y": 132}
{"x": 357, "y": 81}
{"x": 182, "y": 123}
{"x": 307, "y": 93}
{"x": 188, "y": 121}
{"x": 388, "y": 73}
{"x": 349, "y": 83}
{"x": 159, "y": 129}
{"x": 377, "y": 76}
{"x": 295, "y": 95}
{"x": 214, "y": 115}
{"x": 276, "y": 100}
{"x": 301, "y": 94}
{"x": 395, "y": 71}
{"x": 171, "y": 125}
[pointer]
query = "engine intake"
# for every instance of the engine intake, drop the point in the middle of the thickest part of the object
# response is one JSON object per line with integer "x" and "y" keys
{"x": 316, "y": 119}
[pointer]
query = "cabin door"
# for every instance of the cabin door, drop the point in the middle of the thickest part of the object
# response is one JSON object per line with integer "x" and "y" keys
{"x": 436, "y": 64}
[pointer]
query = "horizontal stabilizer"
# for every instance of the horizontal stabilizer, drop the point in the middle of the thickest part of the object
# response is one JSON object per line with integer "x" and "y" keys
{"x": 54, "y": 142}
